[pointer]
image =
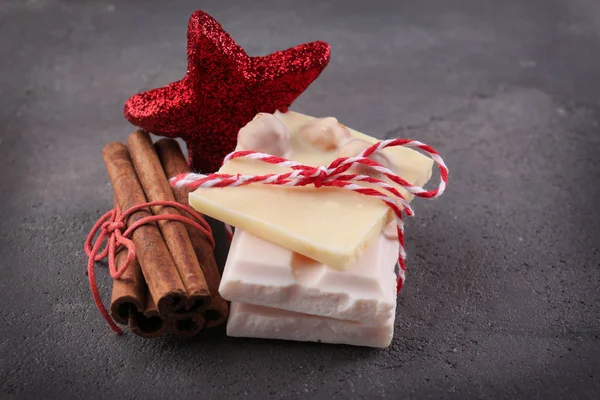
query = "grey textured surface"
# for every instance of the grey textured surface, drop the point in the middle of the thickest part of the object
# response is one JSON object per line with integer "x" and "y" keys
{"x": 502, "y": 297}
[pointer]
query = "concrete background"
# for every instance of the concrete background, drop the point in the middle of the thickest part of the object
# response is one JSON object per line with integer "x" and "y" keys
{"x": 502, "y": 297}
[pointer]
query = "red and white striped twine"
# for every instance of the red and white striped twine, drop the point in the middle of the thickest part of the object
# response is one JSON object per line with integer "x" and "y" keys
{"x": 334, "y": 175}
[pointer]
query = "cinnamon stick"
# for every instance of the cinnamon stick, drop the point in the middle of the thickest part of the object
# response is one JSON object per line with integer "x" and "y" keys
{"x": 157, "y": 188}
{"x": 174, "y": 163}
{"x": 149, "y": 323}
{"x": 128, "y": 292}
{"x": 188, "y": 327}
{"x": 162, "y": 278}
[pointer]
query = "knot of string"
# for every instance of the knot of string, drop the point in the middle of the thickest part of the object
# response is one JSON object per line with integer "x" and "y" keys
{"x": 109, "y": 229}
{"x": 336, "y": 174}
{"x": 111, "y": 226}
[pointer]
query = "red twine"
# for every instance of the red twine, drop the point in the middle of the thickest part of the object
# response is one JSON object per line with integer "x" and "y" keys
{"x": 110, "y": 226}
{"x": 334, "y": 175}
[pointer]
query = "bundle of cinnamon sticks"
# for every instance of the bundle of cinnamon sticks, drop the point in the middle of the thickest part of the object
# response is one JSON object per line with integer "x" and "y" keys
{"x": 173, "y": 283}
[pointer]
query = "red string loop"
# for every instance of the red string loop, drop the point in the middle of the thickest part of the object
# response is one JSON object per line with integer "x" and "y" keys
{"x": 109, "y": 227}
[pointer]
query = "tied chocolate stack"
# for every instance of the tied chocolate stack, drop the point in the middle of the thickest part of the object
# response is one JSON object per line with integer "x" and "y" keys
{"x": 172, "y": 285}
{"x": 307, "y": 263}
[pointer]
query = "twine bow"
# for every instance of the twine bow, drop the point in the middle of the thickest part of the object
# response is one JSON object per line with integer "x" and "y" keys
{"x": 110, "y": 226}
{"x": 336, "y": 174}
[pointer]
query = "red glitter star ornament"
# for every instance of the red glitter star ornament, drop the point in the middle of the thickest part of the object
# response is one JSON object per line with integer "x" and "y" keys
{"x": 223, "y": 90}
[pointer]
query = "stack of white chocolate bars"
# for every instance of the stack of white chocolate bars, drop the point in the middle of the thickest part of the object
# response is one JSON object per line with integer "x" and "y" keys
{"x": 309, "y": 264}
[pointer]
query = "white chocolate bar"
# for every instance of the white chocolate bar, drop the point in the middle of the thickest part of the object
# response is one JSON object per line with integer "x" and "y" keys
{"x": 246, "y": 320}
{"x": 330, "y": 225}
{"x": 262, "y": 273}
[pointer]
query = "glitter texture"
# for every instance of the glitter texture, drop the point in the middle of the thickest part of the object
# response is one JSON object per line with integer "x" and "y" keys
{"x": 223, "y": 90}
